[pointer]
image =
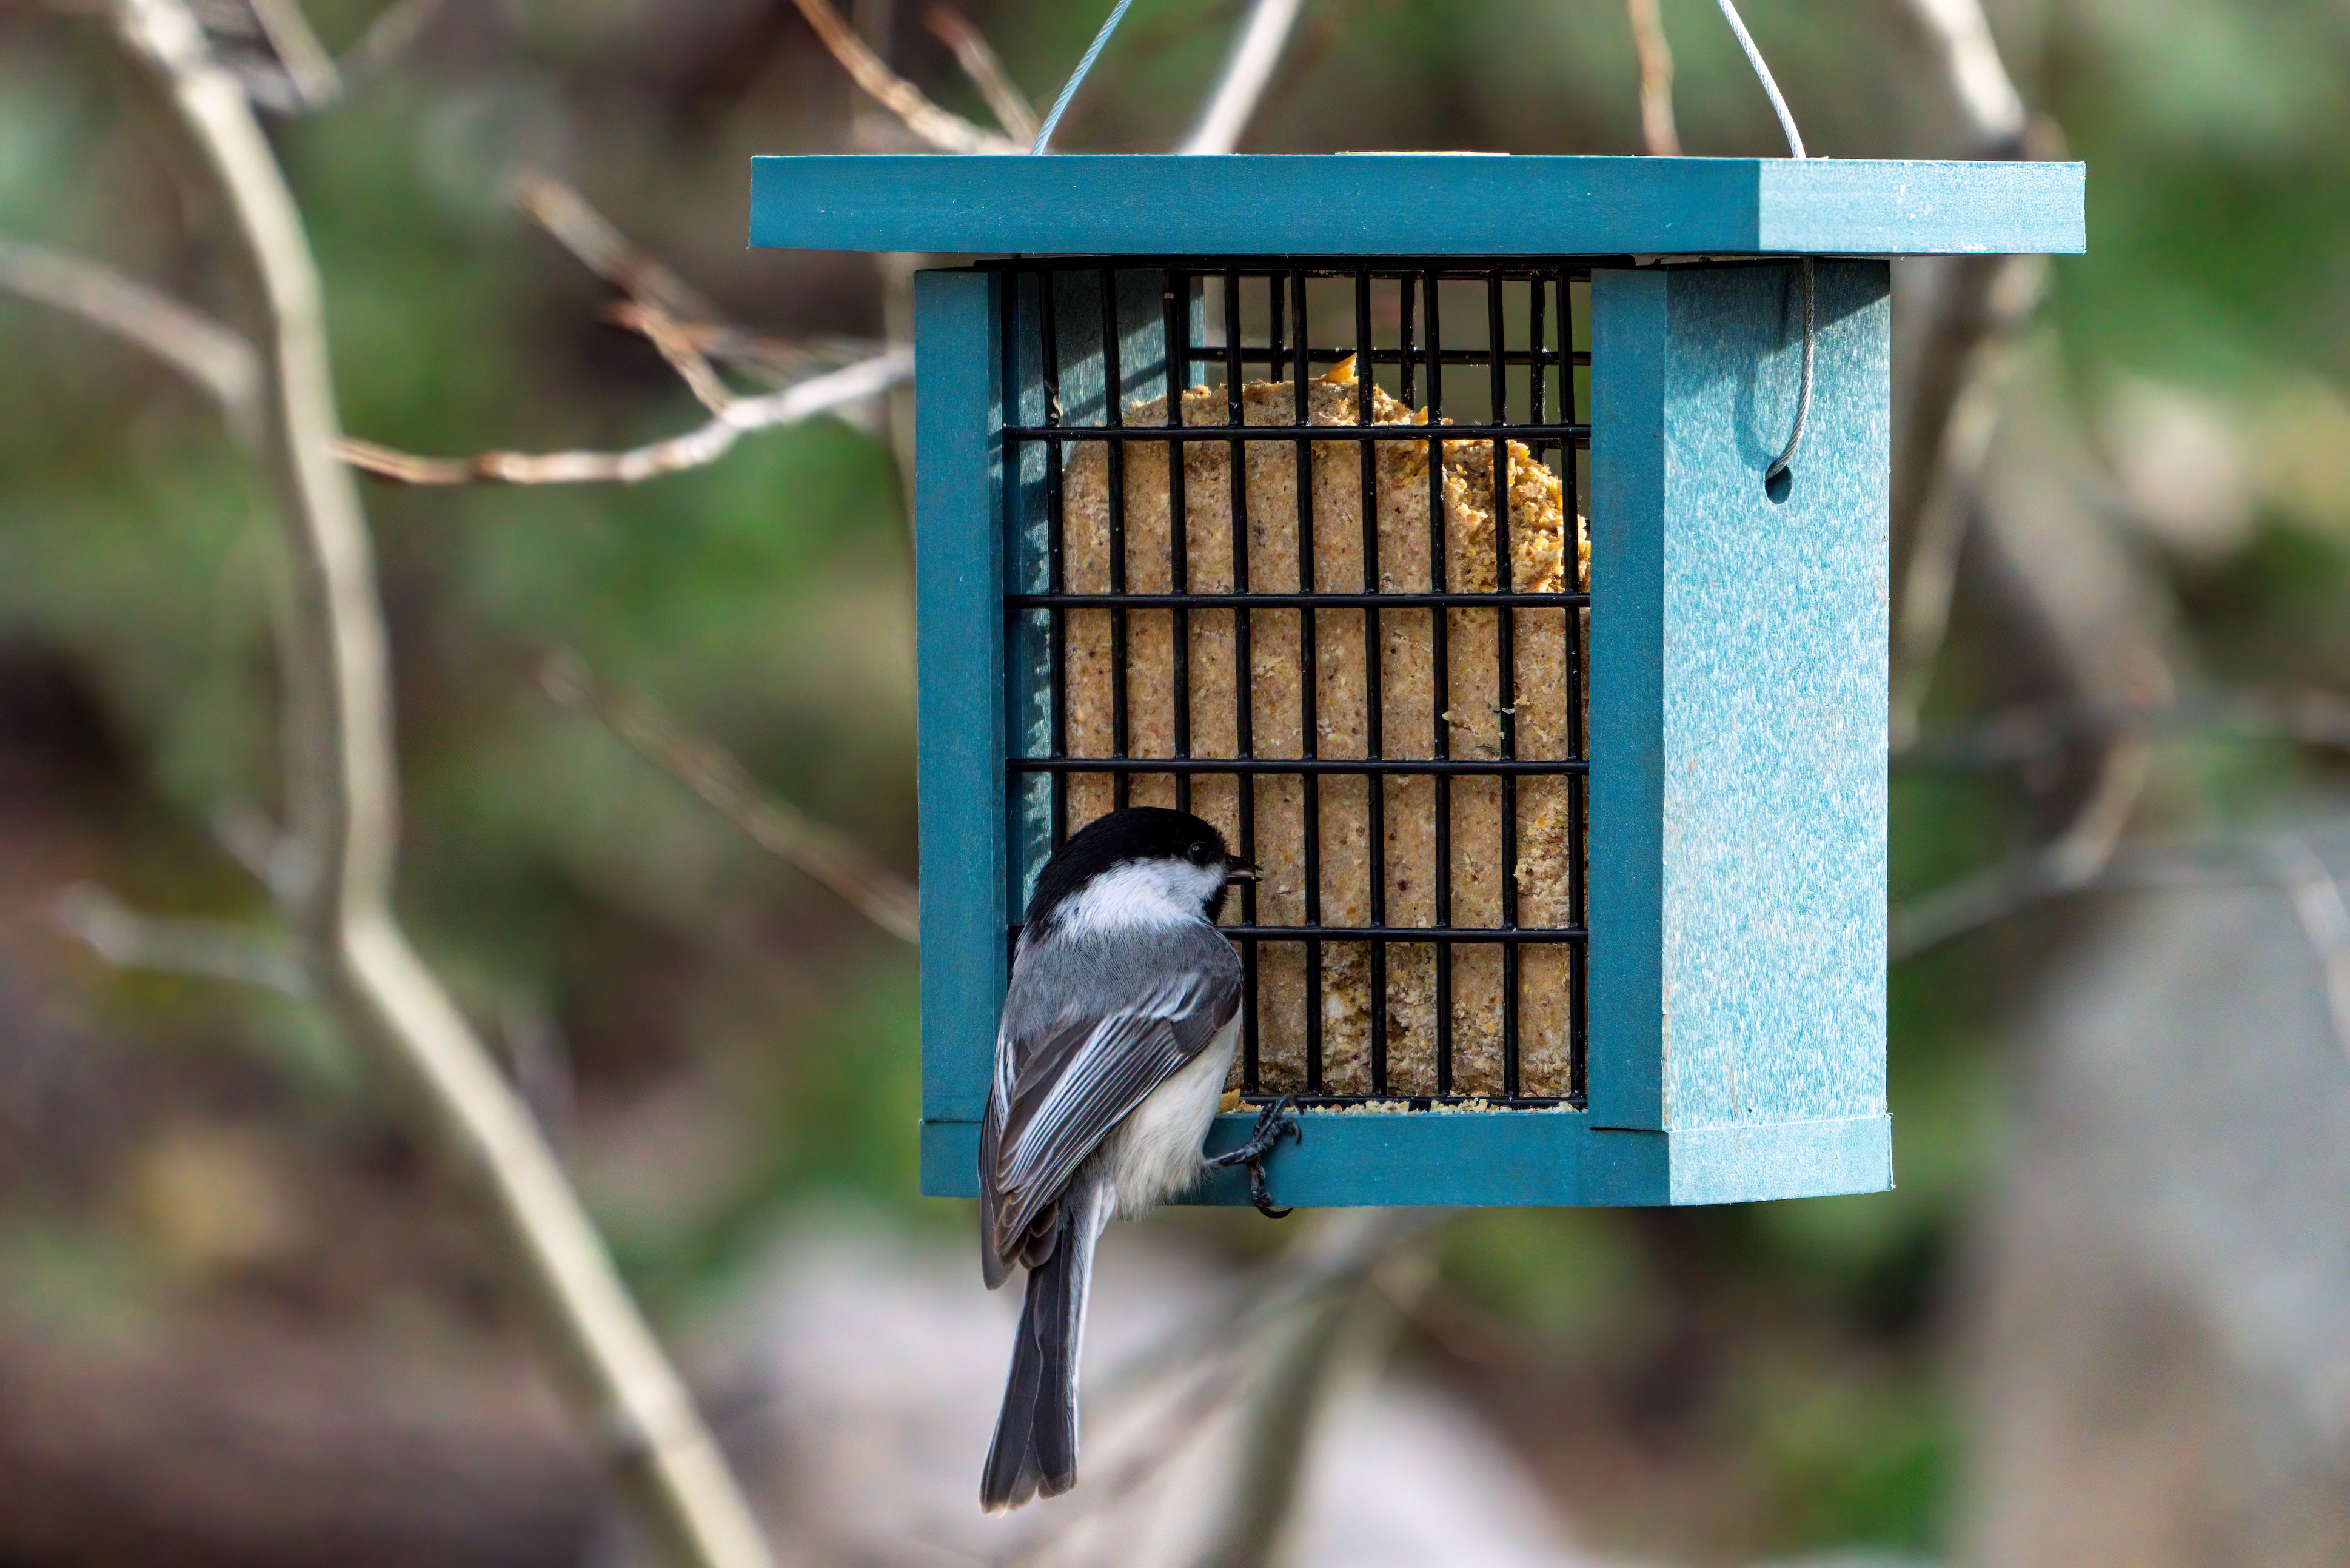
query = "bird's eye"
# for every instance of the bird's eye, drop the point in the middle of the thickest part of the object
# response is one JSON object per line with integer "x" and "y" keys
{"x": 1199, "y": 853}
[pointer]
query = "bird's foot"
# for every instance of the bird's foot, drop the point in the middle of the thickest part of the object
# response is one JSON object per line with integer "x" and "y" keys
{"x": 1275, "y": 1121}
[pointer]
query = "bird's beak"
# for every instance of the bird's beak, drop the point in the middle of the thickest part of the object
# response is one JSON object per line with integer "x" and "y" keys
{"x": 1242, "y": 871}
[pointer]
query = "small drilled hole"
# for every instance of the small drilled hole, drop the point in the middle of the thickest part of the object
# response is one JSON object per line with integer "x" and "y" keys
{"x": 1779, "y": 485}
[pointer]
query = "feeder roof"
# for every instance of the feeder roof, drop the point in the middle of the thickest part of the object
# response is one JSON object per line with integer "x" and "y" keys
{"x": 1414, "y": 204}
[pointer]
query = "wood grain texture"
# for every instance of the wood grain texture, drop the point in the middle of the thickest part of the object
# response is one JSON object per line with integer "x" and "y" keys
{"x": 1413, "y": 204}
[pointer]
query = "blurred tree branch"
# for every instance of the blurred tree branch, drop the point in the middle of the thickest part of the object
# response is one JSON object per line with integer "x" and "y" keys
{"x": 1966, "y": 358}
{"x": 1658, "y": 132}
{"x": 216, "y": 949}
{"x": 342, "y": 795}
{"x": 2074, "y": 860}
{"x": 658, "y": 298}
{"x": 1979, "y": 85}
{"x": 1268, "y": 1354}
{"x": 296, "y": 74}
{"x": 1968, "y": 361}
{"x": 1247, "y": 72}
{"x": 980, "y": 62}
{"x": 2287, "y": 863}
{"x": 1348, "y": 1324}
{"x": 695, "y": 449}
{"x": 939, "y": 128}
{"x": 2065, "y": 580}
{"x": 605, "y": 251}
{"x": 1238, "y": 89}
{"x": 207, "y": 353}
{"x": 776, "y": 826}
{"x": 310, "y": 75}
{"x": 393, "y": 32}
{"x": 2317, "y": 901}
{"x": 2087, "y": 853}
{"x": 680, "y": 349}
{"x": 2033, "y": 732}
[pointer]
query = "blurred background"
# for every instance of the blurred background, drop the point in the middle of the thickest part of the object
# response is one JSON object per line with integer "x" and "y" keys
{"x": 2105, "y": 1319}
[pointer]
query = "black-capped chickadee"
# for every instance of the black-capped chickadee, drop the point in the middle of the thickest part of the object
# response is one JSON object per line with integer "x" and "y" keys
{"x": 1118, "y": 1031}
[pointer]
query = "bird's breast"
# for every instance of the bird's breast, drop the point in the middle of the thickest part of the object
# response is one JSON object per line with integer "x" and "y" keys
{"x": 1154, "y": 1154}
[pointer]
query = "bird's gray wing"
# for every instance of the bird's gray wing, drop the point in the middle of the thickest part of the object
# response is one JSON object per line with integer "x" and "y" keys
{"x": 1082, "y": 1043}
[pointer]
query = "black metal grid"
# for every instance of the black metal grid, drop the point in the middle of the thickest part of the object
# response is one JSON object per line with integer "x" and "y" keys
{"x": 1545, "y": 395}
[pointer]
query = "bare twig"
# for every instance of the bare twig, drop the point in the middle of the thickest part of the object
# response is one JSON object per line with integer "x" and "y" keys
{"x": 1978, "y": 333}
{"x": 681, "y": 348}
{"x": 874, "y": 131}
{"x": 1265, "y": 1347}
{"x": 979, "y": 61}
{"x": 603, "y": 250}
{"x": 1248, "y": 71}
{"x": 214, "y": 358}
{"x": 777, "y": 361}
{"x": 1300, "y": 1359}
{"x": 294, "y": 75}
{"x": 1984, "y": 92}
{"x": 941, "y": 128}
{"x": 1968, "y": 355}
{"x": 2326, "y": 920}
{"x": 776, "y": 826}
{"x": 216, "y": 950}
{"x": 341, "y": 795}
{"x": 309, "y": 70}
{"x": 696, "y": 449}
{"x": 392, "y": 33}
{"x": 2033, "y": 731}
{"x": 1298, "y": 1273}
{"x": 2288, "y": 864}
{"x": 688, "y": 318}
{"x": 1658, "y": 132}
{"x": 2074, "y": 860}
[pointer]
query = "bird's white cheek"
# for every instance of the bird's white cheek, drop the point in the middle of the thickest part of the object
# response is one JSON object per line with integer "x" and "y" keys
{"x": 1141, "y": 893}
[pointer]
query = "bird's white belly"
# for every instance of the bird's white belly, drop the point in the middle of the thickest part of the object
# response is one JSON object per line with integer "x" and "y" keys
{"x": 1155, "y": 1153}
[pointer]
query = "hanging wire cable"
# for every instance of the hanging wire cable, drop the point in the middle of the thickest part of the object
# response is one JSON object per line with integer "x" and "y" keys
{"x": 1780, "y": 464}
{"x": 1803, "y": 392}
{"x": 1069, "y": 90}
{"x": 1770, "y": 84}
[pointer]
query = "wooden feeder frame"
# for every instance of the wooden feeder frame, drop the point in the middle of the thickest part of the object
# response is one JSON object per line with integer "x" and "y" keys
{"x": 1731, "y": 964}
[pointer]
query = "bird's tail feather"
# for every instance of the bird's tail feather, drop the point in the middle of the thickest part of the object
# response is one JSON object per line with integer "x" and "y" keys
{"x": 1035, "y": 1447}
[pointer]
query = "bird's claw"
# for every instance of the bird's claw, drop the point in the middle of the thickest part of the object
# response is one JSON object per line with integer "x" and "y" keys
{"x": 1275, "y": 1121}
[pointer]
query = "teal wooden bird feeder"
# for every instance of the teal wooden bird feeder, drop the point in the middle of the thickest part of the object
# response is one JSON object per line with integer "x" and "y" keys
{"x": 1258, "y": 485}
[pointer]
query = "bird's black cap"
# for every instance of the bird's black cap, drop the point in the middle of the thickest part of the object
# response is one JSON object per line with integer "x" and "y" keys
{"x": 1137, "y": 832}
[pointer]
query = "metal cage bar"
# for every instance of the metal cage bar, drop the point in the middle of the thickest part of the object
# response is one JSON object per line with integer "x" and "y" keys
{"x": 1273, "y": 328}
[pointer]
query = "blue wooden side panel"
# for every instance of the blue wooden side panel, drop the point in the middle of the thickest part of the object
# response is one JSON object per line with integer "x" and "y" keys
{"x": 1626, "y": 1005}
{"x": 1774, "y": 643}
{"x": 1412, "y": 203}
{"x": 959, "y": 590}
